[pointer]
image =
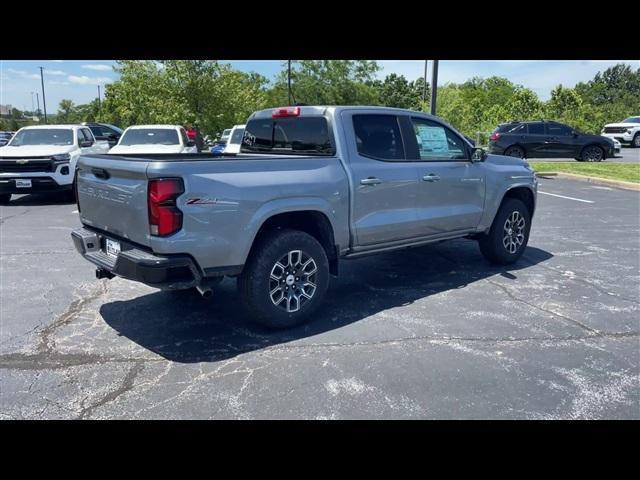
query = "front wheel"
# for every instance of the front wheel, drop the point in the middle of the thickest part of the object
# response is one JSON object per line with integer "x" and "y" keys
{"x": 285, "y": 279}
{"x": 509, "y": 233}
{"x": 592, "y": 153}
{"x": 5, "y": 198}
{"x": 636, "y": 140}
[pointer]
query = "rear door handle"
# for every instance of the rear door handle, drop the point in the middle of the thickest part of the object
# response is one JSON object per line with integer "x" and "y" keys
{"x": 431, "y": 178}
{"x": 370, "y": 181}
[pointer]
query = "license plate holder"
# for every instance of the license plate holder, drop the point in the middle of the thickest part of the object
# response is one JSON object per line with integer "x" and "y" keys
{"x": 23, "y": 183}
{"x": 112, "y": 247}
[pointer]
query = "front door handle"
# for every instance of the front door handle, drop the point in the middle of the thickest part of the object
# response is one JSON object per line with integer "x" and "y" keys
{"x": 431, "y": 178}
{"x": 370, "y": 181}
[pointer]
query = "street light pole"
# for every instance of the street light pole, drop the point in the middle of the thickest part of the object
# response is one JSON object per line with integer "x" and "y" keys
{"x": 289, "y": 80}
{"x": 434, "y": 86}
{"x": 38, "y": 104}
{"x": 424, "y": 91}
{"x": 44, "y": 101}
{"x": 32, "y": 103}
{"x": 98, "y": 96}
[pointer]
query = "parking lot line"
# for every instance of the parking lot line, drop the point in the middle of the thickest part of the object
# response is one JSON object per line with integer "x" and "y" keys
{"x": 568, "y": 198}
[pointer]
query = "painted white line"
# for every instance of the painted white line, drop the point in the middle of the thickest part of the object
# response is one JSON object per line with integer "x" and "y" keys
{"x": 568, "y": 198}
{"x": 75, "y": 211}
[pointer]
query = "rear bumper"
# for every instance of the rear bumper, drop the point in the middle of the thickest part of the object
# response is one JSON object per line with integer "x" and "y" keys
{"x": 38, "y": 184}
{"x": 168, "y": 272}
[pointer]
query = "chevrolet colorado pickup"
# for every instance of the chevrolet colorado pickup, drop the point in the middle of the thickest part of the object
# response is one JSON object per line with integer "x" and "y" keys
{"x": 311, "y": 187}
{"x": 43, "y": 158}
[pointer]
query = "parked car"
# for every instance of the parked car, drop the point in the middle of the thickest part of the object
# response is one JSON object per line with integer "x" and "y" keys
{"x": 105, "y": 131}
{"x": 627, "y": 131}
{"x": 154, "y": 139}
{"x": 235, "y": 140}
{"x": 548, "y": 139}
{"x": 5, "y": 137}
{"x": 218, "y": 147}
{"x": 43, "y": 158}
{"x": 225, "y": 135}
{"x": 311, "y": 187}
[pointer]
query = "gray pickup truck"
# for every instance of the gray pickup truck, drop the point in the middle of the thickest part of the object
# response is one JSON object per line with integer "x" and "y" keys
{"x": 312, "y": 186}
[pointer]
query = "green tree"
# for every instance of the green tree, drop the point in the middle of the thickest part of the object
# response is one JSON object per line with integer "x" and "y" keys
{"x": 66, "y": 111}
{"x": 327, "y": 82}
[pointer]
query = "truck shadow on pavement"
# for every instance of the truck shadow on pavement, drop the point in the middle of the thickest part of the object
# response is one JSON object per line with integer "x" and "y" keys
{"x": 183, "y": 327}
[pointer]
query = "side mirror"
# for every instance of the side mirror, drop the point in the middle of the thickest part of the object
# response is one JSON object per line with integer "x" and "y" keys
{"x": 574, "y": 133}
{"x": 478, "y": 154}
{"x": 86, "y": 143}
{"x": 191, "y": 143}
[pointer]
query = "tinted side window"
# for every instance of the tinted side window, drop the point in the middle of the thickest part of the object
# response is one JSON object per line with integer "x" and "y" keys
{"x": 378, "y": 136}
{"x": 97, "y": 131}
{"x": 536, "y": 129}
{"x": 436, "y": 142}
{"x": 558, "y": 129}
{"x": 183, "y": 134}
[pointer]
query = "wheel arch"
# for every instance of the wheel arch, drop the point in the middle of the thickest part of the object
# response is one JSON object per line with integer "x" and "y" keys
{"x": 313, "y": 221}
{"x": 523, "y": 193}
{"x": 516, "y": 144}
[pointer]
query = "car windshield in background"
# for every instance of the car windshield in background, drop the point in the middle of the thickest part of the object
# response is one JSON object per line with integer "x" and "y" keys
{"x": 150, "y": 136}
{"x": 42, "y": 136}
{"x": 299, "y": 135}
{"x": 236, "y": 138}
{"x": 631, "y": 120}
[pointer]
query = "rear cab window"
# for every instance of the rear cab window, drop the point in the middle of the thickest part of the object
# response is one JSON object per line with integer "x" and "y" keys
{"x": 150, "y": 136}
{"x": 288, "y": 136}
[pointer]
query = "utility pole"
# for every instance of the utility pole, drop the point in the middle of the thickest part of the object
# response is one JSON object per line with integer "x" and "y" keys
{"x": 98, "y": 96}
{"x": 38, "y": 103}
{"x": 44, "y": 101}
{"x": 434, "y": 86}
{"x": 424, "y": 91}
{"x": 32, "y": 104}
{"x": 289, "y": 80}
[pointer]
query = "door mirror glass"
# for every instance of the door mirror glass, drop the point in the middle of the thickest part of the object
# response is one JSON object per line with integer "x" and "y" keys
{"x": 85, "y": 143}
{"x": 191, "y": 143}
{"x": 478, "y": 154}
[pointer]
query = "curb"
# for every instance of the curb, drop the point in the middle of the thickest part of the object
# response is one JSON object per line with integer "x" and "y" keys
{"x": 595, "y": 180}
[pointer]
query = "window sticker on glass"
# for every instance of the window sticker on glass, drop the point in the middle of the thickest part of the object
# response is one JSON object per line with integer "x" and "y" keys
{"x": 432, "y": 139}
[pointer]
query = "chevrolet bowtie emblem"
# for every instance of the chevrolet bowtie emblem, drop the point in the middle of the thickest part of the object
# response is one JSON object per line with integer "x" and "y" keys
{"x": 22, "y": 161}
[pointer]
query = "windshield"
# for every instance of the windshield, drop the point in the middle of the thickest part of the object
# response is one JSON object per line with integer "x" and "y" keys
{"x": 225, "y": 133}
{"x": 150, "y": 136}
{"x": 631, "y": 120}
{"x": 236, "y": 138}
{"x": 42, "y": 136}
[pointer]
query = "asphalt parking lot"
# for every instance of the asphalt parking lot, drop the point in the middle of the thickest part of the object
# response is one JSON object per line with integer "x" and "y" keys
{"x": 433, "y": 332}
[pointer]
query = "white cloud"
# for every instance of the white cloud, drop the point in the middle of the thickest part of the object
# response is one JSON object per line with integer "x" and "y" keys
{"x": 54, "y": 72}
{"x": 57, "y": 61}
{"x": 84, "y": 80}
{"x": 97, "y": 66}
{"x": 24, "y": 74}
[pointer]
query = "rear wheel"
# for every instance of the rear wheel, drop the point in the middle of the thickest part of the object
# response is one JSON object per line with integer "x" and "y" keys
{"x": 509, "y": 233}
{"x": 514, "y": 151}
{"x": 285, "y": 279}
{"x": 592, "y": 153}
{"x": 5, "y": 198}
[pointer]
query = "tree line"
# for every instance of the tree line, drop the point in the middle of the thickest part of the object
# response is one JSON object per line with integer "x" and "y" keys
{"x": 214, "y": 96}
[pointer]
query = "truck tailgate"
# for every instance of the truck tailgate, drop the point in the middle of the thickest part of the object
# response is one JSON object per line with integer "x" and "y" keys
{"x": 112, "y": 196}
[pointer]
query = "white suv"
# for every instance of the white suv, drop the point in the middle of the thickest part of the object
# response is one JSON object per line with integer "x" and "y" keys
{"x": 627, "y": 131}
{"x": 43, "y": 158}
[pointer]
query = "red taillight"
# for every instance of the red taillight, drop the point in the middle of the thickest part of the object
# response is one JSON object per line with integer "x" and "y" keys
{"x": 164, "y": 216}
{"x": 285, "y": 112}
{"x": 494, "y": 136}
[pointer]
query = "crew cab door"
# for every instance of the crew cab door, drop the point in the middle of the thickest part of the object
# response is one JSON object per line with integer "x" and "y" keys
{"x": 451, "y": 188}
{"x": 384, "y": 183}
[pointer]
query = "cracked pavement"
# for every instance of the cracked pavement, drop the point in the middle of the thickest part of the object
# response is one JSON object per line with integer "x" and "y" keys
{"x": 433, "y": 332}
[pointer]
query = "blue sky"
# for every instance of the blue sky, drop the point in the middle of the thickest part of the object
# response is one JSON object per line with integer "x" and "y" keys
{"x": 78, "y": 80}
